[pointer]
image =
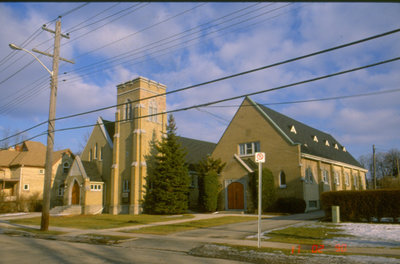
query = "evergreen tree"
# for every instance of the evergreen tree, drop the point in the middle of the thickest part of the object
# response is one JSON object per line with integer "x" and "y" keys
{"x": 209, "y": 186}
{"x": 167, "y": 185}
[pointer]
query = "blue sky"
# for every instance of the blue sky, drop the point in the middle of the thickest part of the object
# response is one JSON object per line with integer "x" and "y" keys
{"x": 181, "y": 44}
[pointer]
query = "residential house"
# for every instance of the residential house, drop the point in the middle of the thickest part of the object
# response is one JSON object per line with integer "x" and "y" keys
{"x": 22, "y": 171}
{"x": 304, "y": 161}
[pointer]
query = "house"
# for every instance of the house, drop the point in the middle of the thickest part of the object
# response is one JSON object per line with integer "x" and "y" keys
{"x": 304, "y": 161}
{"x": 22, "y": 171}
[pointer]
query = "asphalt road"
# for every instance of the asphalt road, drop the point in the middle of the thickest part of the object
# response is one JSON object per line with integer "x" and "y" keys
{"x": 29, "y": 250}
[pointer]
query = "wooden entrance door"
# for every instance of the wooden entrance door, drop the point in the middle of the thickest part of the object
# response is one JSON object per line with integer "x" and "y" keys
{"x": 75, "y": 194}
{"x": 235, "y": 196}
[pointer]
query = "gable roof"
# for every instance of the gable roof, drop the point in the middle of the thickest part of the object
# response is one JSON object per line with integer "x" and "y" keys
{"x": 30, "y": 153}
{"x": 196, "y": 149}
{"x": 91, "y": 171}
{"x": 108, "y": 129}
{"x": 298, "y": 133}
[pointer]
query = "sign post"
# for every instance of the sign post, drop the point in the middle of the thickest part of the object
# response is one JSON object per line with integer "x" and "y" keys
{"x": 260, "y": 159}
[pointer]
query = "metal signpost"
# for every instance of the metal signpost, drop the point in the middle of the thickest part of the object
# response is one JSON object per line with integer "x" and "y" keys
{"x": 260, "y": 159}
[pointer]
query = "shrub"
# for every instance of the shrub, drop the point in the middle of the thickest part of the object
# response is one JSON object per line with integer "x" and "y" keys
{"x": 268, "y": 189}
{"x": 210, "y": 194}
{"x": 291, "y": 205}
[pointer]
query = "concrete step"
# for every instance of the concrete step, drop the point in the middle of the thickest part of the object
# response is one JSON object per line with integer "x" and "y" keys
{"x": 66, "y": 210}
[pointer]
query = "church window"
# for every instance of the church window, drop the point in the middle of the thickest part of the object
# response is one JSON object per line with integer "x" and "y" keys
{"x": 247, "y": 149}
{"x": 325, "y": 176}
{"x": 309, "y": 175}
{"x": 336, "y": 178}
{"x": 282, "y": 179}
{"x": 128, "y": 110}
{"x": 153, "y": 111}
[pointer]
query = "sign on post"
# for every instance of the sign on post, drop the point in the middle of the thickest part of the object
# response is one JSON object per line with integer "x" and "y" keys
{"x": 260, "y": 159}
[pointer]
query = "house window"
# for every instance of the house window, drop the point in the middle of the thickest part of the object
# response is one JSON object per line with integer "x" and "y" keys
{"x": 247, "y": 149}
{"x": 26, "y": 187}
{"x": 125, "y": 186}
{"x": 41, "y": 171}
{"x": 60, "y": 190}
{"x": 309, "y": 175}
{"x": 282, "y": 179}
{"x": 312, "y": 204}
{"x": 337, "y": 178}
{"x": 346, "y": 179}
{"x": 65, "y": 167}
{"x": 325, "y": 176}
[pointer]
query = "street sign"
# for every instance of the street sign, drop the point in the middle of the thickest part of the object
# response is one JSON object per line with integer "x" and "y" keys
{"x": 260, "y": 157}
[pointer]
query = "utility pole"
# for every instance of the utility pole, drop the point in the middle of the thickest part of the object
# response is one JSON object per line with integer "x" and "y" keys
{"x": 44, "y": 224}
{"x": 374, "y": 166}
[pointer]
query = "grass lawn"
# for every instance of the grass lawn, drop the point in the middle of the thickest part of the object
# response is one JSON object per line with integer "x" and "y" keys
{"x": 102, "y": 221}
{"x": 190, "y": 225}
{"x": 304, "y": 235}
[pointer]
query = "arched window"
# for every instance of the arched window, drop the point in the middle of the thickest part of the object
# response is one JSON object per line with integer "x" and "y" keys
{"x": 309, "y": 175}
{"x": 282, "y": 179}
{"x": 153, "y": 111}
{"x": 128, "y": 110}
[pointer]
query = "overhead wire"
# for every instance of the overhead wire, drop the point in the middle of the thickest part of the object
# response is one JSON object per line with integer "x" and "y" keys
{"x": 158, "y": 43}
{"x": 239, "y": 74}
{"x": 70, "y": 81}
{"x": 242, "y": 95}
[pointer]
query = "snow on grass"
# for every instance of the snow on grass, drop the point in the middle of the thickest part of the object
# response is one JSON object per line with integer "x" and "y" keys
{"x": 367, "y": 235}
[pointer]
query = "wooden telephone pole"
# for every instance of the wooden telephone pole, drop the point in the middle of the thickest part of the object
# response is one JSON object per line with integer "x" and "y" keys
{"x": 44, "y": 224}
{"x": 374, "y": 165}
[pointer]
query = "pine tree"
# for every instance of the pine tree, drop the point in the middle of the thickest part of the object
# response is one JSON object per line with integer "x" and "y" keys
{"x": 167, "y": 185}
{"x": 209, "y": 186}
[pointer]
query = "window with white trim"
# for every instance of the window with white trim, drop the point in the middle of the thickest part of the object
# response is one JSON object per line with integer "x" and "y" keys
{"x": 247, "y": 149}
{"x": 355, "y": 180}
{"x": 309, "y": 175}
{"x": 41, "y": 171}
{"x": 95, "y": 187}
{"x": 346, "y": 178}
{"x": 153, "y": 111}
{"x": 337, "y": 178}
{"x": 26, "y": 187}
{"x": 282, "y": 179}
{"x": 325, "y": 176}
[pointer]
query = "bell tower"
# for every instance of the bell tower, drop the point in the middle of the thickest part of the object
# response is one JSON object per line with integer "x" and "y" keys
{"x": 137, "y": 119}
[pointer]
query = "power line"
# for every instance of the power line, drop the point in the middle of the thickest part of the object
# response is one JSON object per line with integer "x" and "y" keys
{"x": 322, "y": 99}
{"x": 216, "y": 30}
{"x": 243, "y": 95}
{"x": 239, "y": 74}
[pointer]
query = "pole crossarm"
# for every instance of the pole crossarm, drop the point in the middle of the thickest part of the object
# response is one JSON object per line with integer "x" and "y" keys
{"x": 50, "y": 55}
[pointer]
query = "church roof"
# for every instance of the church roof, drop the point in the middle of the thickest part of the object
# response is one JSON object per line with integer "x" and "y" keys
{"x": 313, "y": 141}
{"x": 91, "y": 171}
{"x": 196, "y": 149}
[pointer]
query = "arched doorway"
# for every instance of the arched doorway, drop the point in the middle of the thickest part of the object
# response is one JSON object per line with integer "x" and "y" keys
{"x": 75, "y": 194}
{"x": 235, "y": 196}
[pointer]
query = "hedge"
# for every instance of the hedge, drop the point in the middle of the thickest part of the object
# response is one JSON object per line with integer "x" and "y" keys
{"x": 358, "y": 205}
